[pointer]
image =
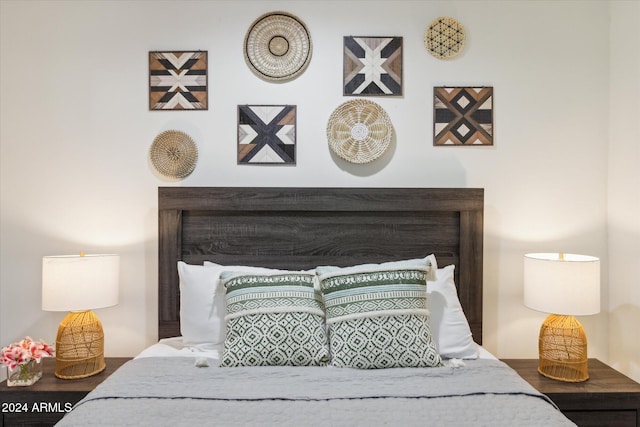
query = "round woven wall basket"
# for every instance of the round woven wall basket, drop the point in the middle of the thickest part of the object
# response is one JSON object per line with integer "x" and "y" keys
{"x": 444, "y": 37}
{"x": 277, "y": 46}
{"x": 359, "y": 131}
{"x": 174, "y": 154}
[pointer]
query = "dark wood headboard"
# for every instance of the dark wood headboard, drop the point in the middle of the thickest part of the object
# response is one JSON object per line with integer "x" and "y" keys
{"x": 301, "y": 228}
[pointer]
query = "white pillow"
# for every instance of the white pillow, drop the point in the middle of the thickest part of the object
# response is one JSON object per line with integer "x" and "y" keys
{"x": 202, "y": 305}
{"x": 449, "y": 325}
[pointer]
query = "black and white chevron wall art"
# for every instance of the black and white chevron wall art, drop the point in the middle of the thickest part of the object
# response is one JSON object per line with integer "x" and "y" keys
{"x": 178, "y": 80}
{"x": 267, "y": 134}
{"x": 373, "y": 66}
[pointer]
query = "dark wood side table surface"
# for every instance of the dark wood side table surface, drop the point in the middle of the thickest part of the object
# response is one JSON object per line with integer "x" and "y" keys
{"x": 45, "y": 402}
{"x": 608, "y": 398}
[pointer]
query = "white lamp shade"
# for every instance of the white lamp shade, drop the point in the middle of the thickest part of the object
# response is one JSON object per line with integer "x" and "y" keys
{"x": 79, "y": 282}
{"x": 565, "y": 284}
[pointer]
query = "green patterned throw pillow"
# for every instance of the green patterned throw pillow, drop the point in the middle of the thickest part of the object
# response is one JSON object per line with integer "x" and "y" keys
{"x": 274, "y": 319}
{"x": 377, "y": 315}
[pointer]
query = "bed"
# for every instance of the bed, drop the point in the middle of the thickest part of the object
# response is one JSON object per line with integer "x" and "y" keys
{"x": 306, "y": 307}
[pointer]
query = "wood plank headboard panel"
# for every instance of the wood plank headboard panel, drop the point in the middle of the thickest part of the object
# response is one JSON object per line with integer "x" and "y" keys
{"x": 299, "y": 228}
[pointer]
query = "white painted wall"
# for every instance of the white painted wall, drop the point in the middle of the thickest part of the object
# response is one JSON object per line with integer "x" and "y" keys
{"x": 624, "y": 188}
{"x": 75, "y": 131}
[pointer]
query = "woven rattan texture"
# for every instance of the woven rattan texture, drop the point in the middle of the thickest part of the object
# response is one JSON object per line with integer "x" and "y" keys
{"x": 278, "y": 46}
{"x": 79, "y": 346}
{"x": 444, "y": 38}
{"x": 563, "y": 349}
{"x": 174, "y": 154}
{"x": 359, "y": 131}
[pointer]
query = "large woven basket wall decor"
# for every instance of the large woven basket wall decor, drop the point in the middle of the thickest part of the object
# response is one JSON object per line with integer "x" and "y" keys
{"x": 359, "y": 131}
{"x": 278, "y": 47}
{"x": 444, "y": 37}
{"x": 174, "y": 154}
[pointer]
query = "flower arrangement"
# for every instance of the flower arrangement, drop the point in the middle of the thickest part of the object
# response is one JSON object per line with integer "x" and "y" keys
{"x": 19, "y": 358}
{"x": 24, "y": 351}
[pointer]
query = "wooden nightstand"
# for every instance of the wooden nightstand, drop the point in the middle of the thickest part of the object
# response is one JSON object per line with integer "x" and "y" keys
{"x": 45, "y": 402}
{"x": 607, "y": 398}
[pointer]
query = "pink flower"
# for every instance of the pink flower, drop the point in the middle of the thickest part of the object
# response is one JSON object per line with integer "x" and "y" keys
{"x": 24, "y": 351}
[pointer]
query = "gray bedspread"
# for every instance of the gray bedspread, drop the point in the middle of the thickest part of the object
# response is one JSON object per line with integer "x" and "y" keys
{"x": 173, "y": 391}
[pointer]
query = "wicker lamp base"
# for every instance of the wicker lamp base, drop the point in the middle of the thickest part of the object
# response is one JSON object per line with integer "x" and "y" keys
{"x": 79, "y": 346}
{"x": 562, "y": 349}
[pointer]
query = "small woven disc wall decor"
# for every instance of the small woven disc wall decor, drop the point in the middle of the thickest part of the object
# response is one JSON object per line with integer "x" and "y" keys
{"x": 277, "y": 46}
{"x": 174, "y": 154}
{"x": 359, "y": 131}
{"x": 444, "y": 37}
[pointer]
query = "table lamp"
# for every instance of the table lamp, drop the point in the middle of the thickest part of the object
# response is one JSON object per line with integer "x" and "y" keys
{"x": 564, "y": 285}
{"x": 79, "y": 284}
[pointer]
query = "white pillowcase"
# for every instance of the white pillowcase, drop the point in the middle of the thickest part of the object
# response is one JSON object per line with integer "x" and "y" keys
{"x": 449, "y": 326}
{"x": 202, "y": 304}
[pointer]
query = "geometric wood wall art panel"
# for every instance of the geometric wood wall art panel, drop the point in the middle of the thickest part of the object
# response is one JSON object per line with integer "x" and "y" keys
{"x": 267, "y": 134}
{"x": 463, "y": 116}
{"x": 178, "y": 80}
{"x": 372, "y": 66}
